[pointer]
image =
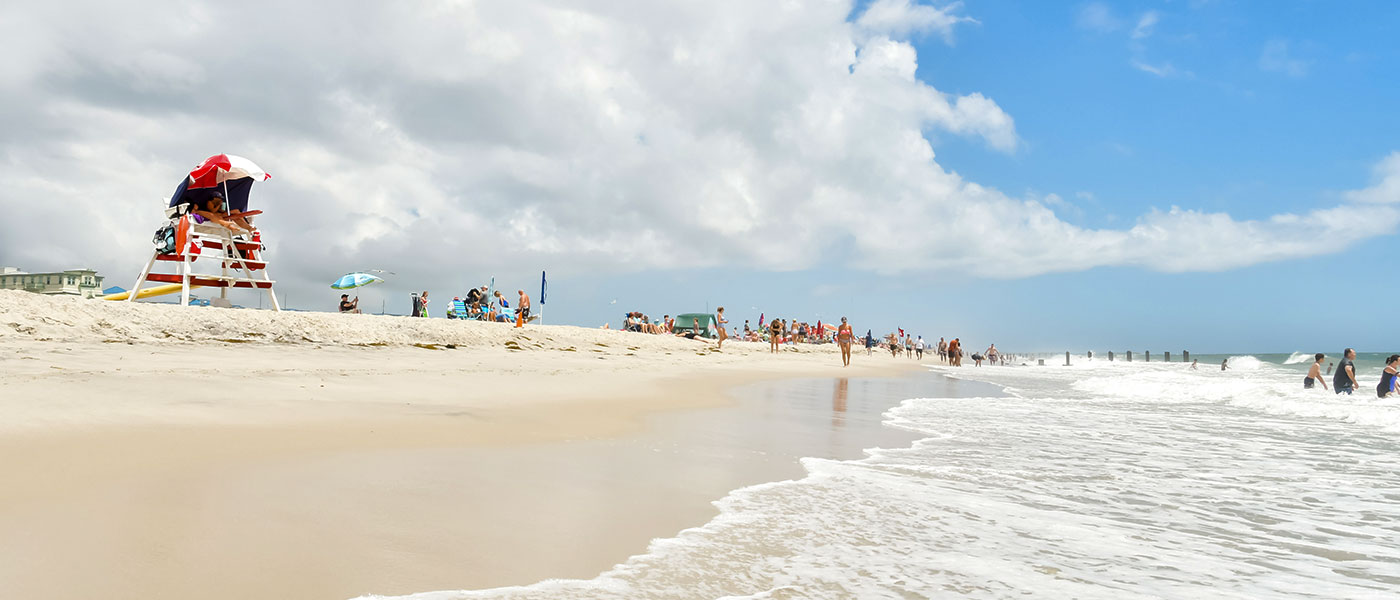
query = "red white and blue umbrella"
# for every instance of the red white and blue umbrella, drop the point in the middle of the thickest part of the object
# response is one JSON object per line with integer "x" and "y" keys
{"x": 223, "y": 167}
{"x": 233, "y": 176}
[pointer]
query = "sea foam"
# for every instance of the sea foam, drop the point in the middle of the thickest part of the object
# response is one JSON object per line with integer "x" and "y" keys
{"x": 1100, "y": 480}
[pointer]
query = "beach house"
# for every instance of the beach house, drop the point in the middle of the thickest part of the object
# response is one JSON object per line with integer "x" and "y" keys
{"x": 77, "y": 282}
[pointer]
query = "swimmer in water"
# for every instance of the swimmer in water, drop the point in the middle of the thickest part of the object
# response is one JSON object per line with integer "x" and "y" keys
{"x": 1315, "y": 373}
{"x": 1344, "y": 379}
{"x": 1224, "y": 364}
{"x": 1387, "y": 384}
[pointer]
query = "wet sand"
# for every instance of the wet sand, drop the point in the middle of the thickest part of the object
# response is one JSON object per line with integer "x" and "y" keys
{"x": 411, "y": 470}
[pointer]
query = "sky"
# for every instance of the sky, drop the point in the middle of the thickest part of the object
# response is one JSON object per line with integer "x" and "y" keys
{"x": 1211, "y": 176}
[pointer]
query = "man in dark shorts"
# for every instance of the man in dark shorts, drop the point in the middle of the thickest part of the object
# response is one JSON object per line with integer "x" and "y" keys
{"x": 1344, "y": 381}
{"x": 522, "y": 309}
{"x": 1315, "y": 373}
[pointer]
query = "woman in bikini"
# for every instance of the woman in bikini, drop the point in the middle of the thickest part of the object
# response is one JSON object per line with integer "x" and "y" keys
{"x": 844, "y": 337}
{"x": 719, "y": 324}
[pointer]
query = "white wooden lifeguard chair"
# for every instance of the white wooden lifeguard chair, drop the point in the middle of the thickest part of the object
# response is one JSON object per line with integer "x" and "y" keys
{"x": 238, "y": 261}
{"x": 229, "y": 260}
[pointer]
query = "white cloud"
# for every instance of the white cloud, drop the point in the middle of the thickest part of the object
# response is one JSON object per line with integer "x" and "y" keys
{"x": 1386, "y": 189}
{"x": 1146, "y": 24}
{"x": 898, "y": 18}
{"x": 1097, "y": 16}
{"x": 1164, "y": 70}
{"x": 495, "y": 137}
{"x": 1276, "y": 58}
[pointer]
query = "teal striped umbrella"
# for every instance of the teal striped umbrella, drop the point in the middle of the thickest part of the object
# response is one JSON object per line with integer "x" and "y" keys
{"x": 354, "y": 280}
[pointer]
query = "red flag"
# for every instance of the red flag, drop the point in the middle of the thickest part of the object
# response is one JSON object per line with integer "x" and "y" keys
{"x": 760, "y": 320}
{"x": 901, "y": 332}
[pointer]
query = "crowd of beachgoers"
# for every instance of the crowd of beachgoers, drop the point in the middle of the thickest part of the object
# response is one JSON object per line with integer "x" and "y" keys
{"x": 788, "y": 333}
{"x": 478, "y": 304}
{"x": 483, "y": 304}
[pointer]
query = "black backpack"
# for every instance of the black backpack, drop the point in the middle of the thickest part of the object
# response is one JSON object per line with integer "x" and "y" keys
{"x": 165, "y": 239}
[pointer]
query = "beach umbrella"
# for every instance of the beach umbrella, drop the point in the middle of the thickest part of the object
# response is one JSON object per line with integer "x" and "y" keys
{"x": 354, "y": 280}
{"x": 223, "y": 167}
{"x": 231, "y": 175}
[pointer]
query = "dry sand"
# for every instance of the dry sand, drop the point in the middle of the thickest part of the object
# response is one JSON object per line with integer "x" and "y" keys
{"x": 159, "y": 451}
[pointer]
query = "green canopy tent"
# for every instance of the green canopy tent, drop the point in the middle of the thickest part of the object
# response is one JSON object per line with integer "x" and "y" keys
{"x": 686, "y": 322}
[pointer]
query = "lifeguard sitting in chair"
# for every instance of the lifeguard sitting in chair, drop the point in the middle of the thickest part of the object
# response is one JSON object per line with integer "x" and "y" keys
{"x": 215, "y": 211}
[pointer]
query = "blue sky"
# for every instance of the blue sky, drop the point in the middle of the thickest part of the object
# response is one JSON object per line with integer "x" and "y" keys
{"x": 1224, "y": 133}
{"x": 1205, "y": 175}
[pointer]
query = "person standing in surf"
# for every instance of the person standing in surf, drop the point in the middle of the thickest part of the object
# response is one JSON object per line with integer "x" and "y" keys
{"x": 1387, "y": 384}
{"x": 844, "y": 337}
{"x": 1315, "y": 373}
{"x": 1344, "y": 381}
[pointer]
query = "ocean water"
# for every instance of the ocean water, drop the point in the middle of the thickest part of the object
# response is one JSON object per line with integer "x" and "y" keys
{"x": 1104, "y": 479}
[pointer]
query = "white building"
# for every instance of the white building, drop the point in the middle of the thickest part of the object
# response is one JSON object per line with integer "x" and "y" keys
{"x": 77, "y": 282}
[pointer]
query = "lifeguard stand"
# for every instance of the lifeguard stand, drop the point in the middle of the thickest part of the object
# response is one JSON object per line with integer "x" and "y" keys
{"x": 223, "y": 176}
{"x": 239, "y": 261}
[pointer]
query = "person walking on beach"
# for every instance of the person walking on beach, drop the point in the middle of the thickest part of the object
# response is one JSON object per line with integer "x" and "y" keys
{"x": 1315, "y": 373}
{"x": 1387, "y": 384}
{"x": 422, "y": 304}
{"x": 720, "y": 321}
{"x": 869, "y": 343}
{"x": 844, "y": 337}
{"x": 942, "y": 350}
{"x": 775, "y": 335}
{"x": 1344, "y": 381}
{"x": 919, "y": 347}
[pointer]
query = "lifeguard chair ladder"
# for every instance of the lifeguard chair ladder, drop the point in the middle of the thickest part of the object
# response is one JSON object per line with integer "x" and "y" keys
{"x": 210, "y": 242}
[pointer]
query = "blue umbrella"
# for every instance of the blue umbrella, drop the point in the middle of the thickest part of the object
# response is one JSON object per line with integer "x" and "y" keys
{"x": 354, "y": 280}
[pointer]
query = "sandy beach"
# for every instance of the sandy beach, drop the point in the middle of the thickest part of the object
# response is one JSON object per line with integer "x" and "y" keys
{"x": 165, "y": 451}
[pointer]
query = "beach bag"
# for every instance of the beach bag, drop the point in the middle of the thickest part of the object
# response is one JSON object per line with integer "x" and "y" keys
{"x": 165, "y": 239}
